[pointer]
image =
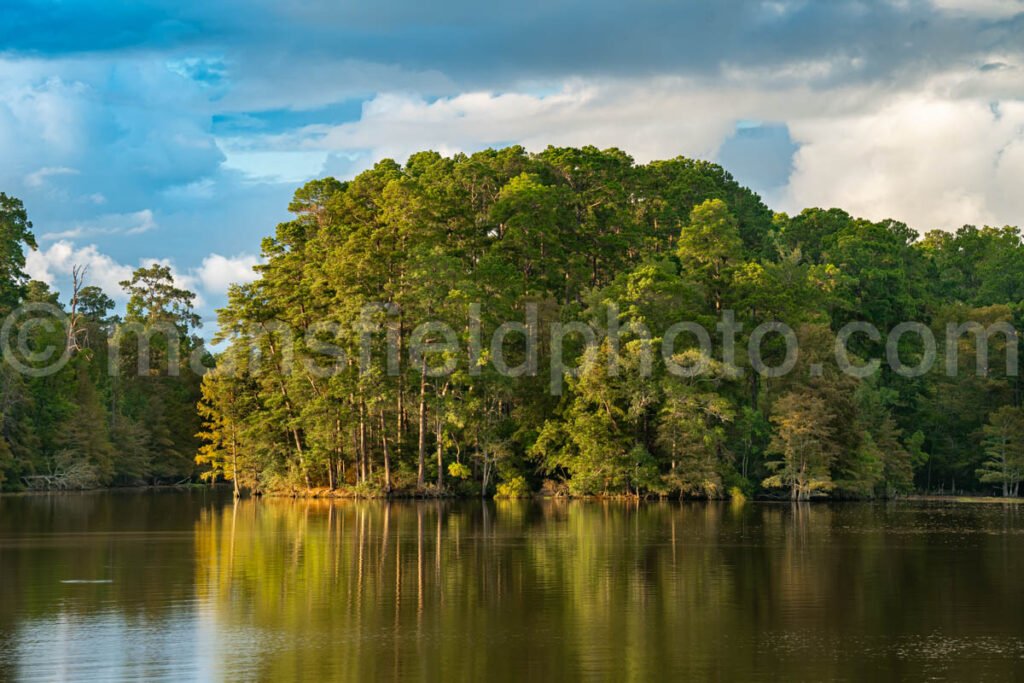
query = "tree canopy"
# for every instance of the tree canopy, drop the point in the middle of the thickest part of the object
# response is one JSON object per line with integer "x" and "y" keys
{"x": 328, "y": 377}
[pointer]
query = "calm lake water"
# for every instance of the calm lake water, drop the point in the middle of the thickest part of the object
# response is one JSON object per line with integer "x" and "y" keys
{"x": 190, "y": 586}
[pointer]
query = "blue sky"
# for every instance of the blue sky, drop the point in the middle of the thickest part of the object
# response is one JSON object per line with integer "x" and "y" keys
{"x": 177, "y": 131}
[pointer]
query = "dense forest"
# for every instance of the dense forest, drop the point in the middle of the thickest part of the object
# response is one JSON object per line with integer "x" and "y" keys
{"x": 89, "y": 418}
{"x": 316, "y": 385}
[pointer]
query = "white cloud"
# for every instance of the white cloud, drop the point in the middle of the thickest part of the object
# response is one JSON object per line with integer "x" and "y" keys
{"x": 947, "y": 151}
{"x": 218, "y": 272}
{"x": 990, "y": 9}
{"x": 135, "y": 223}
{"x": 651, "y": 119}
{"x": 38, "y": 178}
{"x": 54, "y": 264}
{"x": 935, "y": 163}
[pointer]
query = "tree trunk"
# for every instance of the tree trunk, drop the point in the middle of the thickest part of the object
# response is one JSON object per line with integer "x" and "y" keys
{"x": 423, "y": 424}
{"x": 440, "y": 451}
{"x": 387, "y": 455}
{"x": 362, "y": 440}
{"x": 289, "y": 411}
{"x": 399, "y": 425}
{"x": 484, "y": 478}
{"x": 355, "y": 452}
{"x": 234, "y": 466}
{"x": 338, "y": 463}
{"x": 400, "y": 399}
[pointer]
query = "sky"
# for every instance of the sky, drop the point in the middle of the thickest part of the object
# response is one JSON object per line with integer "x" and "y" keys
{"x": 176, "y": 131}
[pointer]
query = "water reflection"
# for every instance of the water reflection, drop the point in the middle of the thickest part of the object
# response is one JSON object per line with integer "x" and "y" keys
{"x": 201, "y": 587}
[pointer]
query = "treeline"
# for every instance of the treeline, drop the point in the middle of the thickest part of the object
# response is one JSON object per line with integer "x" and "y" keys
{"x": 584, "y": 234}
{"x": 547, "y": 240}
{"x": 75, "y": 412}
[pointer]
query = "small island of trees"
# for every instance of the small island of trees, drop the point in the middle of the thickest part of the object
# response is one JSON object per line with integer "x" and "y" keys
{"x": 546, "y": 239}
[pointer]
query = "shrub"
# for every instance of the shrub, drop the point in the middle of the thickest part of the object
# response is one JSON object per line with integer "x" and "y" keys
{"x": 516, "y": 487}
{"x": 737, "y": 495}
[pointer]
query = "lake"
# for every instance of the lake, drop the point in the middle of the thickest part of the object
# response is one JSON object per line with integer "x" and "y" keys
{"x": 192, "y": 586}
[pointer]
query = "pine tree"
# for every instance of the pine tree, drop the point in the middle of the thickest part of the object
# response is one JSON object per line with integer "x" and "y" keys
{"x": 710, "y": 248}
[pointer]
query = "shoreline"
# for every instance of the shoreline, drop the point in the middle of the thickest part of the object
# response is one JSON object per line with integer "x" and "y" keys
{"x": 405, "y": 495}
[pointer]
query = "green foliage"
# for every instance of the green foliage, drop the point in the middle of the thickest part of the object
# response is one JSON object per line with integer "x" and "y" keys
{"x": 153, "y": 297}
{"x": 805, "y": 443}
{"x": 573, "y": 234}
{"x": 83, "y": 426}
{"x": 1004, "y": 448}
{"x": 457, "y": 470}
{"x": 710, "y": 248}
{"x": 737, "y": 495}
{"x": 513, "y": 488}
{"x": 15, "y": 234}
{"x": 541, "y": 239}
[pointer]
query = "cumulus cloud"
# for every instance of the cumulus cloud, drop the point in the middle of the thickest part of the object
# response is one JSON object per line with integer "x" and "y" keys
{"x": 942, "y": 154}
{"x": 649, "y": 119}
{"x": 53, "y": 265}
{"x": 218, "y": 272}
{"x": 935, "y": 163}
{"x": 120, "y": 129}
